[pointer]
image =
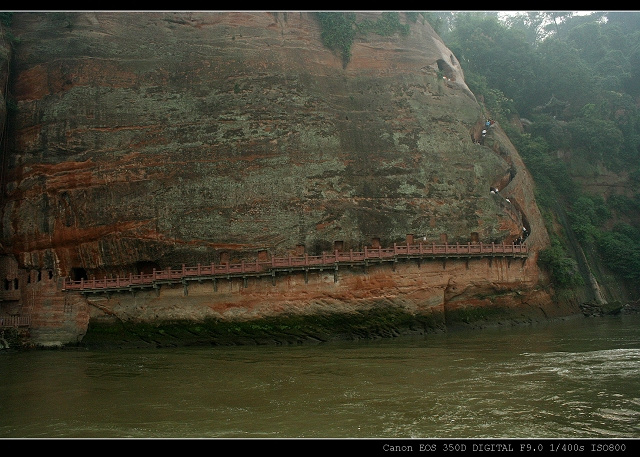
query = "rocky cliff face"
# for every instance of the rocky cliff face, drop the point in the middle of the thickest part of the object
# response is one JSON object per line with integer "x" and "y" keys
{"x": 152, "y": 140}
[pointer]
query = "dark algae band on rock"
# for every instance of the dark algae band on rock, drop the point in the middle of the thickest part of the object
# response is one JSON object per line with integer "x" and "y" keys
{"x": 281, "y": 330}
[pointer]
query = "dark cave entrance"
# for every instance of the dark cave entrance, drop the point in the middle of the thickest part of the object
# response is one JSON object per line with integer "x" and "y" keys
{"x": 78, "y": 273}
{"x": 146, "y": 267}
{"x": 446, "y": 69}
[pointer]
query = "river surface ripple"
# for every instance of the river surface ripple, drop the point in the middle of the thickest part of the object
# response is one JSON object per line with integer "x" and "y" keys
{"x": 578, "y": 378}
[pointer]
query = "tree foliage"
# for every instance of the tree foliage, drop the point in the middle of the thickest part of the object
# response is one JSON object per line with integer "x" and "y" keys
{"x": 562, "y": 267}
{"x": 621, "y": 250}
{"x": 339, "y": 29}
{"x": 576, "y": 80}
{"x": 588, "y": 213}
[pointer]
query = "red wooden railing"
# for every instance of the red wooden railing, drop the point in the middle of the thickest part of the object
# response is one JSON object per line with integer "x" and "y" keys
{"x": 300, "y": 262}
{"x": 15, "y": 321}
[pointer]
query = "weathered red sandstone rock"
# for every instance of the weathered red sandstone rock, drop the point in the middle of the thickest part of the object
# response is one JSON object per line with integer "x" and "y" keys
{"x": 152, "y": 140}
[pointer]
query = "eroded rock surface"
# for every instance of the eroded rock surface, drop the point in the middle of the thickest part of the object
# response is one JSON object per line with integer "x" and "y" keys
{"x": 151, "y": 140}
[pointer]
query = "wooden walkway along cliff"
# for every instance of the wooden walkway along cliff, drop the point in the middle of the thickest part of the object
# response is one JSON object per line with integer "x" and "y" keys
{"x": 291, "y": 264}
{"x": 14, "y": 321}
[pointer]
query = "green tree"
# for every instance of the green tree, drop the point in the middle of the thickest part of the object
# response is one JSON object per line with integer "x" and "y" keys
{"x": 531, "y": 23}
{"x": 563, "y": 269}
{"x": 554, "y": 19}
{"x": 620, "y": 249}
{"x": 598, "y": 139}
{"x": 338, "y": 31}
{"x": 563, "y": 74}
{"x": 501, "y": 55}
{"x": 588, "y": 213}
{"x": 589, "y": 41}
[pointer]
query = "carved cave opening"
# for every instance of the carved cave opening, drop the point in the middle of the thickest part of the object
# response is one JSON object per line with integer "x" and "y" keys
{"x": 144, "y": 267}
{"x": 78, "y": 273}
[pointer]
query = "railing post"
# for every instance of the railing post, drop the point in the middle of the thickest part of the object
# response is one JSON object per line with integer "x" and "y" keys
{"x": 472, "y": 248}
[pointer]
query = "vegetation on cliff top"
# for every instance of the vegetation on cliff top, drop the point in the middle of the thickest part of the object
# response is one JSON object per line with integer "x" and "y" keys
{"x": 339, "y": 29}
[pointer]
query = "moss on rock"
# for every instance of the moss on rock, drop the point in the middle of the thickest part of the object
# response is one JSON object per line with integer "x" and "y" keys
{"x": 291, "y": 329}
